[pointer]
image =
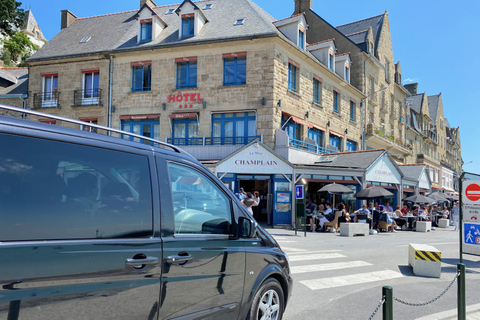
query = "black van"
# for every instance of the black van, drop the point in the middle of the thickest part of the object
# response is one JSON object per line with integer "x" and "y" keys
{"x": 97, "y": 227}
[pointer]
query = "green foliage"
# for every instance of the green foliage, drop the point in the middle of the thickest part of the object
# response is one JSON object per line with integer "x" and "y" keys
{"x": 11, "y": 16}
{"x": 18, "y": 45}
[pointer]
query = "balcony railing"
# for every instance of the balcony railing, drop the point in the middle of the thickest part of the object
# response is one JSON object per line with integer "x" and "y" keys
{"x": 302, "y": 145}
{"x": 47, "y": 99}
{"x": 212, "y": 141}
{"x": 91, "y": 97}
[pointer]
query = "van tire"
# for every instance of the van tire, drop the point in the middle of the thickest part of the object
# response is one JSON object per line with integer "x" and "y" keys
{"x": 268, "y": 302}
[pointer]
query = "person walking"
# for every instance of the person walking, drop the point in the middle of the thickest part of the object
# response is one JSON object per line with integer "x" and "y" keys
{"x": 249, "y": 202}
{"x": 456, "y": 215}
{"x": 240, "y": 194}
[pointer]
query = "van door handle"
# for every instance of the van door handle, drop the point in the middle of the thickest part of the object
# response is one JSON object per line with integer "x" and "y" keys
{"x": 178, "y": 259}
{"x": 139, "y": 262}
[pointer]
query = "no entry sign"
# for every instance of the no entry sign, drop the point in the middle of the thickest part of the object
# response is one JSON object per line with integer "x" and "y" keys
{"x": 471, "y": 193}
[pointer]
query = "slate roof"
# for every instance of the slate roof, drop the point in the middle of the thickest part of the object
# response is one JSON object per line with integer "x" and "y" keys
{"x": 416, "y": 102}
{"x": 359, "y": 37}
{"x": 353, "y": 28}
{"x": 354, "y": 159}
{"x": 413, "y": 172}
{"x": 118, "y": 31}
{"x": 21, "y": 85}
{"x": 433, "y": 104}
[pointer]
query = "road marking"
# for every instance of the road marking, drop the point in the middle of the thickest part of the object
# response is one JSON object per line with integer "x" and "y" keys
{"x": 318, "y": 256}
{"x": 328, "y": 266}
{"x": 317, "y": 284}
{"x": 287, "y": 249}
{"x": 310, "y": 252}
{"x": 452, "y": 314}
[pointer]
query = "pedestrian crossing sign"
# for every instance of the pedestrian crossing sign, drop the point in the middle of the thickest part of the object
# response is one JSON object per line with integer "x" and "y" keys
{"x": 471, "y": 234}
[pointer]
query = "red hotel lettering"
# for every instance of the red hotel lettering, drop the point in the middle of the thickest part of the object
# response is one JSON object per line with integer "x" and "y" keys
{"x": 181, "y": 97}
{"x": 171, "y": 98}
{"x": 193, "y": 97}
{"x": 256, "y": 162}
{"x": 198, "y": 97}
{"x": 186, "y": 95}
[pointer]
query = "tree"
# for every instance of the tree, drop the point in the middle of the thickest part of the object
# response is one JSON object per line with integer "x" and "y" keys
{"x": 18, "y": 45}
{"x": 11, "y": 17}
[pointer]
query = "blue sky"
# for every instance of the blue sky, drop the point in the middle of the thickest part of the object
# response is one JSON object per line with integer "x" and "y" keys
{"x": 436, "y": 42}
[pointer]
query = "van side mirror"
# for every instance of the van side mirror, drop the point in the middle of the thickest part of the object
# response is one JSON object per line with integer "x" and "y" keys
{"x": 248, "y": 228}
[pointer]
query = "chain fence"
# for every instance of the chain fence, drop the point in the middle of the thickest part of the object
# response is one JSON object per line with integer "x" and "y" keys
{"x": 415, "y": 304}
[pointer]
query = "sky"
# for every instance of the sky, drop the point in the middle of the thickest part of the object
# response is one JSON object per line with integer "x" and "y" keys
{"x": 435, "y": 41}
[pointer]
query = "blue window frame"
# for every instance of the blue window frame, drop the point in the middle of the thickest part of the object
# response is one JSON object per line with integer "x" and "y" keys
{"x": 183, "y": 130}
{"x": 292, "y": 77}
{"x": 335, "y": 101}
{"x": 351, "y": 145}
{"x": 291, "y": 128}
{"x": 234, "y": 128}
{"x": 141, "y": 76}
{"x": 187, "y": 74}
{"x": 316, "y": 90}
{"x": 347, "y": 74}
{"x": 335, "y": 141}
{"x": 301, "y": 39}
{"x": 234, "y": 71}
{"x": 188, "y": 27}
{"x": 352, "y": 110}
{"x": 146, "y": 128}
{"x": 146, "y": 31}
{"x": 316, "y": 135}
{"x": 331, "y": 62}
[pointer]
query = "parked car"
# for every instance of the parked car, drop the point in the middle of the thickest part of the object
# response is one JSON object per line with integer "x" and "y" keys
{"x": 98, "y": 227}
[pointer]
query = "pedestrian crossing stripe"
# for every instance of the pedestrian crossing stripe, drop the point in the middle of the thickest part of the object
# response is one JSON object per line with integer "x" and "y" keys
{"x": 351, "y": 279}
{"x": 328, "y": 266}
{"x": 428, "y": 256}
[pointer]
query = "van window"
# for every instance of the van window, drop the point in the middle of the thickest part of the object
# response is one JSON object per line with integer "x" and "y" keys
{"x": 52, "y": 190}
{"x": 200, "y": 207}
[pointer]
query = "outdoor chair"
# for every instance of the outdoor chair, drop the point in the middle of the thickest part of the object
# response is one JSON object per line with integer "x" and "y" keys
{"x": 333, "y": 224}
{"x": 383, "y": 225}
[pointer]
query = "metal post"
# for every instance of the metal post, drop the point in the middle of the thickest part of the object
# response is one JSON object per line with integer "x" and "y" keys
{"x": 387, "y": 293}
{"x": 461, "y": 303}
{"x": 460, "y": 218}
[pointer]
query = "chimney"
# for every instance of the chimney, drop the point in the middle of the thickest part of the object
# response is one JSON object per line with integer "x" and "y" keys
{"x": 149, "y": 2}
{"x": 67, "y": 19}
{"x": 302, "y": 6}
{"x": 412, "y": 88}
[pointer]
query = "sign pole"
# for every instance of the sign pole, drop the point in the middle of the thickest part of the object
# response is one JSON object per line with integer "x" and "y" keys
{"x": 460, "y": 219}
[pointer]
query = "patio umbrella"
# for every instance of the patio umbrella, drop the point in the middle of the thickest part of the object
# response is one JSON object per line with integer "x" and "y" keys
{"x": 437, "y": 196}
{"x": 419, "y": 199}
{"x": 373, "y": 193}
{"x": 334, "y": 188}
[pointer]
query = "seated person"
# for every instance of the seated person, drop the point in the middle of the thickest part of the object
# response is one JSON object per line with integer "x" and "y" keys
{"x": 445, "y": 213}
{"x": 362, "y": 211}
{"x": 385, "y": 217}
{"x": 344, "y": 215}
{"x": 328, "y": 215}
{"x": 398, "y": 215}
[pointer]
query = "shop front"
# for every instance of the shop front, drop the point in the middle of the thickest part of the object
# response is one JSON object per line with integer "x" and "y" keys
{"x": 255, "y": 167}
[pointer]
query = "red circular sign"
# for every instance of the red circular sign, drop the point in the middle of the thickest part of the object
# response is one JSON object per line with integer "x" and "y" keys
{"x": 477, "y": 240}
{"x": 473, "y": 192}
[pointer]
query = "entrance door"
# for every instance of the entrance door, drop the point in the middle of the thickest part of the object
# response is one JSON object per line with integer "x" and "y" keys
{"x": 260, "y": 212}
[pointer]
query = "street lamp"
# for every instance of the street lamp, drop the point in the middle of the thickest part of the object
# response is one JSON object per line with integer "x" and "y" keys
{"x": 364, "y": 126}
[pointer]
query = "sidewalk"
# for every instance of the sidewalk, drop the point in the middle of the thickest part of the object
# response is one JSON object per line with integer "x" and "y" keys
{"x": 473, "y": 313}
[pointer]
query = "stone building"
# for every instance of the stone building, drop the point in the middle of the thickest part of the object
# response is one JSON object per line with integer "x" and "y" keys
{"x": 32, "y": 30}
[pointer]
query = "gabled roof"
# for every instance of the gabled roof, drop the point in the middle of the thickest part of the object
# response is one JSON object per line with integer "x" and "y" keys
{"x": 433, "y": 104}
{"x": 179, "y": 9}
{"x": 353, "y": 159}
{"x": 416, "y": 102}
{"x": 152, "y": 11}
{"x": 118, "y": 32}
{"x": 413, "y": 172}
{"x": 354, "y": 30}
{"x": 20, "y": 86}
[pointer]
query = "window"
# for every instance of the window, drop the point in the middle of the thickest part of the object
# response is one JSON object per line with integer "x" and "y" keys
{"x": 91, "y": 90}
{"x": 183, "y": 130}
{"x": 146, "y": 128}
{"x": 335, "y": 141}
{"x": 234, "y": 71}
{"x": 208, "y": 6}
{"x": 69, "y": 191}
{"x": 88, "y": 128}
{"x": 188, "y": 25}
{"x": 316, "y": 135}
{"x": 382, "y": 100}
{"x": 170, "y": 11}
{"x": 37, "y": 35}
{"x": 199, "y": 205}
{"x": 146, "y": 30}
{"x": 392, "y": 105}
{"x": 301, "y": 39}
{"x": 370, "y": 88}
{"x": 352, "y": 110}
{"x": 239, "y": 22}
{"x": 141, "y": 77}
{"x": 292, "y": 77}
{"x": 291, "y": 128}
{"x": 387, "y": 71}
{"x": 336, "y": 101}
{"x": 317, "y": 90}
{"x": 187, "y": 74}
{"x": 331, "y": 62}
{"x": 347, "y": 74}
{"x": 50, "y": 90}
{"x": 233, "y": 128}
{"x": 351, "y": 145}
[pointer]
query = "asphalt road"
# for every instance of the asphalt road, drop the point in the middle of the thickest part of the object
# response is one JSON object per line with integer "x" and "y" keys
{"x": 342, "y": 278}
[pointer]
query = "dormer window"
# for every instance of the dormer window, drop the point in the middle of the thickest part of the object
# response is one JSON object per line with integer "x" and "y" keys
{"x": 239, "y": 22}
{"x": 146, "y": 30}
{"x": 331, "y": 61}
{"x": 369, "y": 47}
{"x": 188, "y": 25}
{"x": 208, "y": 6}
{"x": 170, "y": 11}
{"x": 347, "y": 74}
{"x": 301, "y": 39}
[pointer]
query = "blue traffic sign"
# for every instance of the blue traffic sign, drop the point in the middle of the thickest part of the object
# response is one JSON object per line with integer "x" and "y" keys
{"x": 471, "y": 234}
{"x": 299, "y": 192}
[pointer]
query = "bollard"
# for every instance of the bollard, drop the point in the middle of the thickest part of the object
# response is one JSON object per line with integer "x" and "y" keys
{"x": 387, "y": 292}
{"x": 461, "y": 303}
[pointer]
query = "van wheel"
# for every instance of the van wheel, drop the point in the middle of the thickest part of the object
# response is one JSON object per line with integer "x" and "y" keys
{"x": 268, "y": 303}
